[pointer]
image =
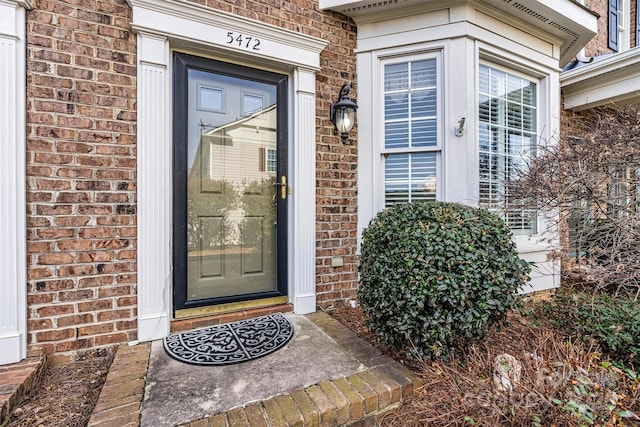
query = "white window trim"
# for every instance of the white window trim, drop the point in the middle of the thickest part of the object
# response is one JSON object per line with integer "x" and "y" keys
{"x": 371, "y": 184}
{"x": 548, "y": 115}
{"x": 13, "y": 254}
{"x": 538, "y": 82}
{"x": 534, "y": 248}
{"x": 378, "y": 167}
{"x": 270, "y": 160}
{"x": 163, "y": 25}
{"x": 624, "y": 25}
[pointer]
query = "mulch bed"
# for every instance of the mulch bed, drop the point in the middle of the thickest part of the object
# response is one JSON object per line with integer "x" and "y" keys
{"x": 461, "y": 391}
{"x": 68, "y": 393}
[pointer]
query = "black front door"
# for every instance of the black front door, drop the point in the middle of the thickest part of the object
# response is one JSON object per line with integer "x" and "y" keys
{"x": 230, "y": 189}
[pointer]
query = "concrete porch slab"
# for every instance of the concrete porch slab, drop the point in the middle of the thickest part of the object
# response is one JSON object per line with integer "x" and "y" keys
{"x": 176, "y": 391}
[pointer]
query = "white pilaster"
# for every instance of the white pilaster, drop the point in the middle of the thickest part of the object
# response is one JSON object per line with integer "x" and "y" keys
{"x": 13, "y": 281}
{"x": 154, "y": 187}
{"x": 303, "y": 239}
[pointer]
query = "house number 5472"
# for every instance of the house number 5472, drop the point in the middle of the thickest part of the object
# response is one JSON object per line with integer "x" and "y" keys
{"x": 246, "y": 42}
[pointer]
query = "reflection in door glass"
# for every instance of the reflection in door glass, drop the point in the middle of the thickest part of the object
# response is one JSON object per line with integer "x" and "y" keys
{"x": 231, "y": 203}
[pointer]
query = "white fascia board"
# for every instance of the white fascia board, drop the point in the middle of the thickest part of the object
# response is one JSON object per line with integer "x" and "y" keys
{"x": 193, "y": 24}
{"x": 611, "y": 80}
{"x": 331, "y": 4}
{"x": 618, "y": 61}
{"x": 623, "y": 92}
{"x": 358, "y": 7}
{"x": 25, "y": 4}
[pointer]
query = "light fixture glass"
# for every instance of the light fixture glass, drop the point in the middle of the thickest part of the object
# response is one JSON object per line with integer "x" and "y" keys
{"x": 345, "y": 119}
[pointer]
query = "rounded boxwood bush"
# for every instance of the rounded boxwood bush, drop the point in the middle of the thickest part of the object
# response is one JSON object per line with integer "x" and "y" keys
{"x": 433, "y": 274}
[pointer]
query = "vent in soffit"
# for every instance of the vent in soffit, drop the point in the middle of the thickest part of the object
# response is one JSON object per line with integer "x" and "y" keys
{"x": 370, "y": 6}
{"x": 546, "y": 20}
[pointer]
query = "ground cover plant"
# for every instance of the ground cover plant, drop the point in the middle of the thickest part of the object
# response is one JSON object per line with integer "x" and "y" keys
{"x": 612, "y": 322}
{"x": 434, "y": 274}
{"x": 571, "y": 358}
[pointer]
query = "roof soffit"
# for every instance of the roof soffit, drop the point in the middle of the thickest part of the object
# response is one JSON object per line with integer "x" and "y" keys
{"x": 566, "y": 20}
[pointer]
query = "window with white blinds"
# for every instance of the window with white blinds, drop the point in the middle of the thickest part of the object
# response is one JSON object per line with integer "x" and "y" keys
{"x": 507, "y": 137}
{"x": 410, "y": 130}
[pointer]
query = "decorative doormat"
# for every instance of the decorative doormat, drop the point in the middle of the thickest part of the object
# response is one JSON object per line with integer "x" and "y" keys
{"x": 232, "y": 342}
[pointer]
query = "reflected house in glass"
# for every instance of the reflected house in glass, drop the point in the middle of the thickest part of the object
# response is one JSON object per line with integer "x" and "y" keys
{"x": 235, "y": 159}
{"x": 231, "y": 199}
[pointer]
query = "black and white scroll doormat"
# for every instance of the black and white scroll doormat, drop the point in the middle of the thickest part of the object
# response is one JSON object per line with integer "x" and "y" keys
{"x": 230, "y": 343}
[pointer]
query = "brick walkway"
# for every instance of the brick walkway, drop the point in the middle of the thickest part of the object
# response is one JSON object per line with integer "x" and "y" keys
{"x": 357, "y": 400}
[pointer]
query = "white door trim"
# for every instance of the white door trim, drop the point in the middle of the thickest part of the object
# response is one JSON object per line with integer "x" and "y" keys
{"x": 166, "y": 24}
{"x": 13, "y": 229}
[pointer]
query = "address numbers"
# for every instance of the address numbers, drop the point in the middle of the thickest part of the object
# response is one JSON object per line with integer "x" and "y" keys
{"x": 243, "y": 41}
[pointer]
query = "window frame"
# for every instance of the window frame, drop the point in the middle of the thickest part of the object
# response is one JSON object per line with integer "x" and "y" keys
{"x": 201, "y": 105}
{"x": 540, "y": 122}
{"x": 383, "y": 152}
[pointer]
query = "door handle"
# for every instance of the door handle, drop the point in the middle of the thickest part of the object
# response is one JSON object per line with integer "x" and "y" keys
{"x": 283, "y": 187}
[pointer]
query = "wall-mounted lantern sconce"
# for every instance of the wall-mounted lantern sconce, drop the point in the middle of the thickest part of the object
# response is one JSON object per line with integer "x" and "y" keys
{"x": 343, "y": 113}
{"x": 460, "y": 126}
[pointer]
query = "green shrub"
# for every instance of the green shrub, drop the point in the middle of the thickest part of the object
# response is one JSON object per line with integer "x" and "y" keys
{"x": 612, "y": 322}
{"x": 433, "y": 274}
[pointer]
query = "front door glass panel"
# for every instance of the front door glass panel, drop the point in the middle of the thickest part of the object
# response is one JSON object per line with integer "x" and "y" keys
{"x": 231, "y": 194}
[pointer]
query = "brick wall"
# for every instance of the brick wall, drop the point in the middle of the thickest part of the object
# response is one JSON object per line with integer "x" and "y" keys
{"x": 80, "y": 174}
{"x": 634, "y": 41}
{"x": 81, "y": 163}
{"x": 336, "y": 174}
{"x": 599, "y": 44}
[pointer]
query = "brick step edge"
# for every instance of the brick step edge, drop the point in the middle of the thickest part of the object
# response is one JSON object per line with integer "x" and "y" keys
{"x": 17, "y": 381}
{"x": 120, "y": 400}
{"x": 359, "y": 399}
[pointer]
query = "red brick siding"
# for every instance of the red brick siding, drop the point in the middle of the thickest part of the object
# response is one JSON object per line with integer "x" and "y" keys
{"x": 336, "y": 173}
{"x": 599, "y": 44}
{"x": 81, "y": 211}
{"x": 633, "y": 26}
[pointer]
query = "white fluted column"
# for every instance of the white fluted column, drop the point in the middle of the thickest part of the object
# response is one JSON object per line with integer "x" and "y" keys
{"x": 13, "y": 280}
{"x": 303, "y": 239}
{"x": 154, "y": 187}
